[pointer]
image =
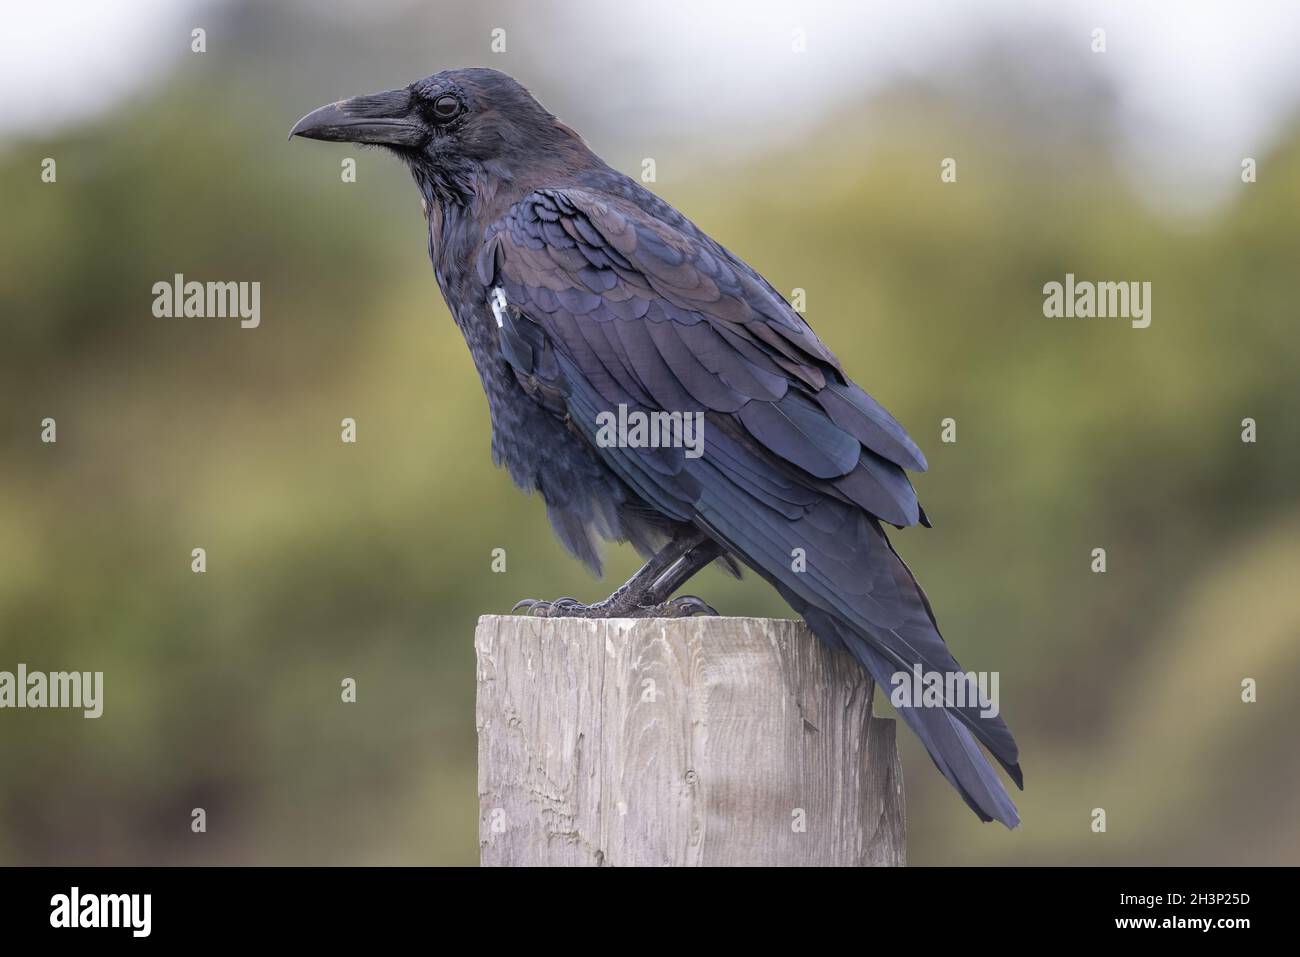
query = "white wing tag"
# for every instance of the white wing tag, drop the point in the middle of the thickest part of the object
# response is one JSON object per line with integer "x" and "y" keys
{"x": 498, "y": 300}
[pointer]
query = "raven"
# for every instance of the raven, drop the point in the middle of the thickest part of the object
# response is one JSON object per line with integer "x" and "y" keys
{"x": 582, "y": 296}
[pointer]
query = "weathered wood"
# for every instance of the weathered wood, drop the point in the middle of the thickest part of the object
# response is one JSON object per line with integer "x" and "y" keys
{"x": 698, "y": 741}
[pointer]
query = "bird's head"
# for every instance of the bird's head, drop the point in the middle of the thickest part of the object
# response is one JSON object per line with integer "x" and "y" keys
{"x": 456, "y": 129}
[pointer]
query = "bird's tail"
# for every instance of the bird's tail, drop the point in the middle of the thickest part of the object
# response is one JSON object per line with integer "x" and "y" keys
{"x": 953, "y": 749}
{"x": 950, "y": 730}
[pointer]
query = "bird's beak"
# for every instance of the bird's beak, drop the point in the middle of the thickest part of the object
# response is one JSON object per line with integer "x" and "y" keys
{"x": 381, "y": 119}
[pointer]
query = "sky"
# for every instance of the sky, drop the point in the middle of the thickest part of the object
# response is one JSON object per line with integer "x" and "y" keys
{"x": 1201, "y": 84}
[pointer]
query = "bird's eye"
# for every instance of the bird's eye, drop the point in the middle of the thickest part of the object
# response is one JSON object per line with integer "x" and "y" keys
{"x": 446, "y": 107}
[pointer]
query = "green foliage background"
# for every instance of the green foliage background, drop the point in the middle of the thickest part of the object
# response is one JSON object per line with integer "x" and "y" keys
{"x": 371, "y": 561}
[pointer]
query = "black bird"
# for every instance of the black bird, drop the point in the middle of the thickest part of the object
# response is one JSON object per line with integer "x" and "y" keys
{"x": 579, "y": 292}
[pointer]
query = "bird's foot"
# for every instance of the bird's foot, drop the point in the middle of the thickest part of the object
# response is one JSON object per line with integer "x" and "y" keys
{"x": 560, "y": 608}
{"x": 682, "y": 607}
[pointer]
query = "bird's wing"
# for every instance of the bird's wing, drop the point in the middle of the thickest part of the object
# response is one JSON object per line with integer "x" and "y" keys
{"x": 600, "y": 305}
{"x": 651, "y": 315}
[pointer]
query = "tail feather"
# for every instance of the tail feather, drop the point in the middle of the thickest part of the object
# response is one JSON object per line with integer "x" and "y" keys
{"x": 857, "y": 594}
{"x": 944, "y": 731}
{"x": 953, "y": 749}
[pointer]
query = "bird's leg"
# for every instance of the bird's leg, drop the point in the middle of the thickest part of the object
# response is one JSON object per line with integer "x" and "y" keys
{"x": 645, "y": 594}
{"x": 625, "y": 600}
{"x": 659, "y": 602}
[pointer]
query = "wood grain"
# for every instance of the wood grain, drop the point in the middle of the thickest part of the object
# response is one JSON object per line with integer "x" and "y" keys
{"x": 699, "y": 741}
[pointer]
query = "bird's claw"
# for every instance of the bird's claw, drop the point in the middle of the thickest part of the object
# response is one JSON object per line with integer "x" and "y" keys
{"x": 683, "y": 607}
{"x": 560, "y": 608}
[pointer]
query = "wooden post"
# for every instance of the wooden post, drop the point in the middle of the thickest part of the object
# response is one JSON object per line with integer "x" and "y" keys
{"x": 696, "y": 741}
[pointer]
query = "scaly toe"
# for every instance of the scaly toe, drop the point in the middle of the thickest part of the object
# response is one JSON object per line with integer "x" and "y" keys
{"x": 566, "y": 607}
{"x": 536, "y": 607}
{"x": 682, "y": 607}
{"x": 692, "y": 605}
